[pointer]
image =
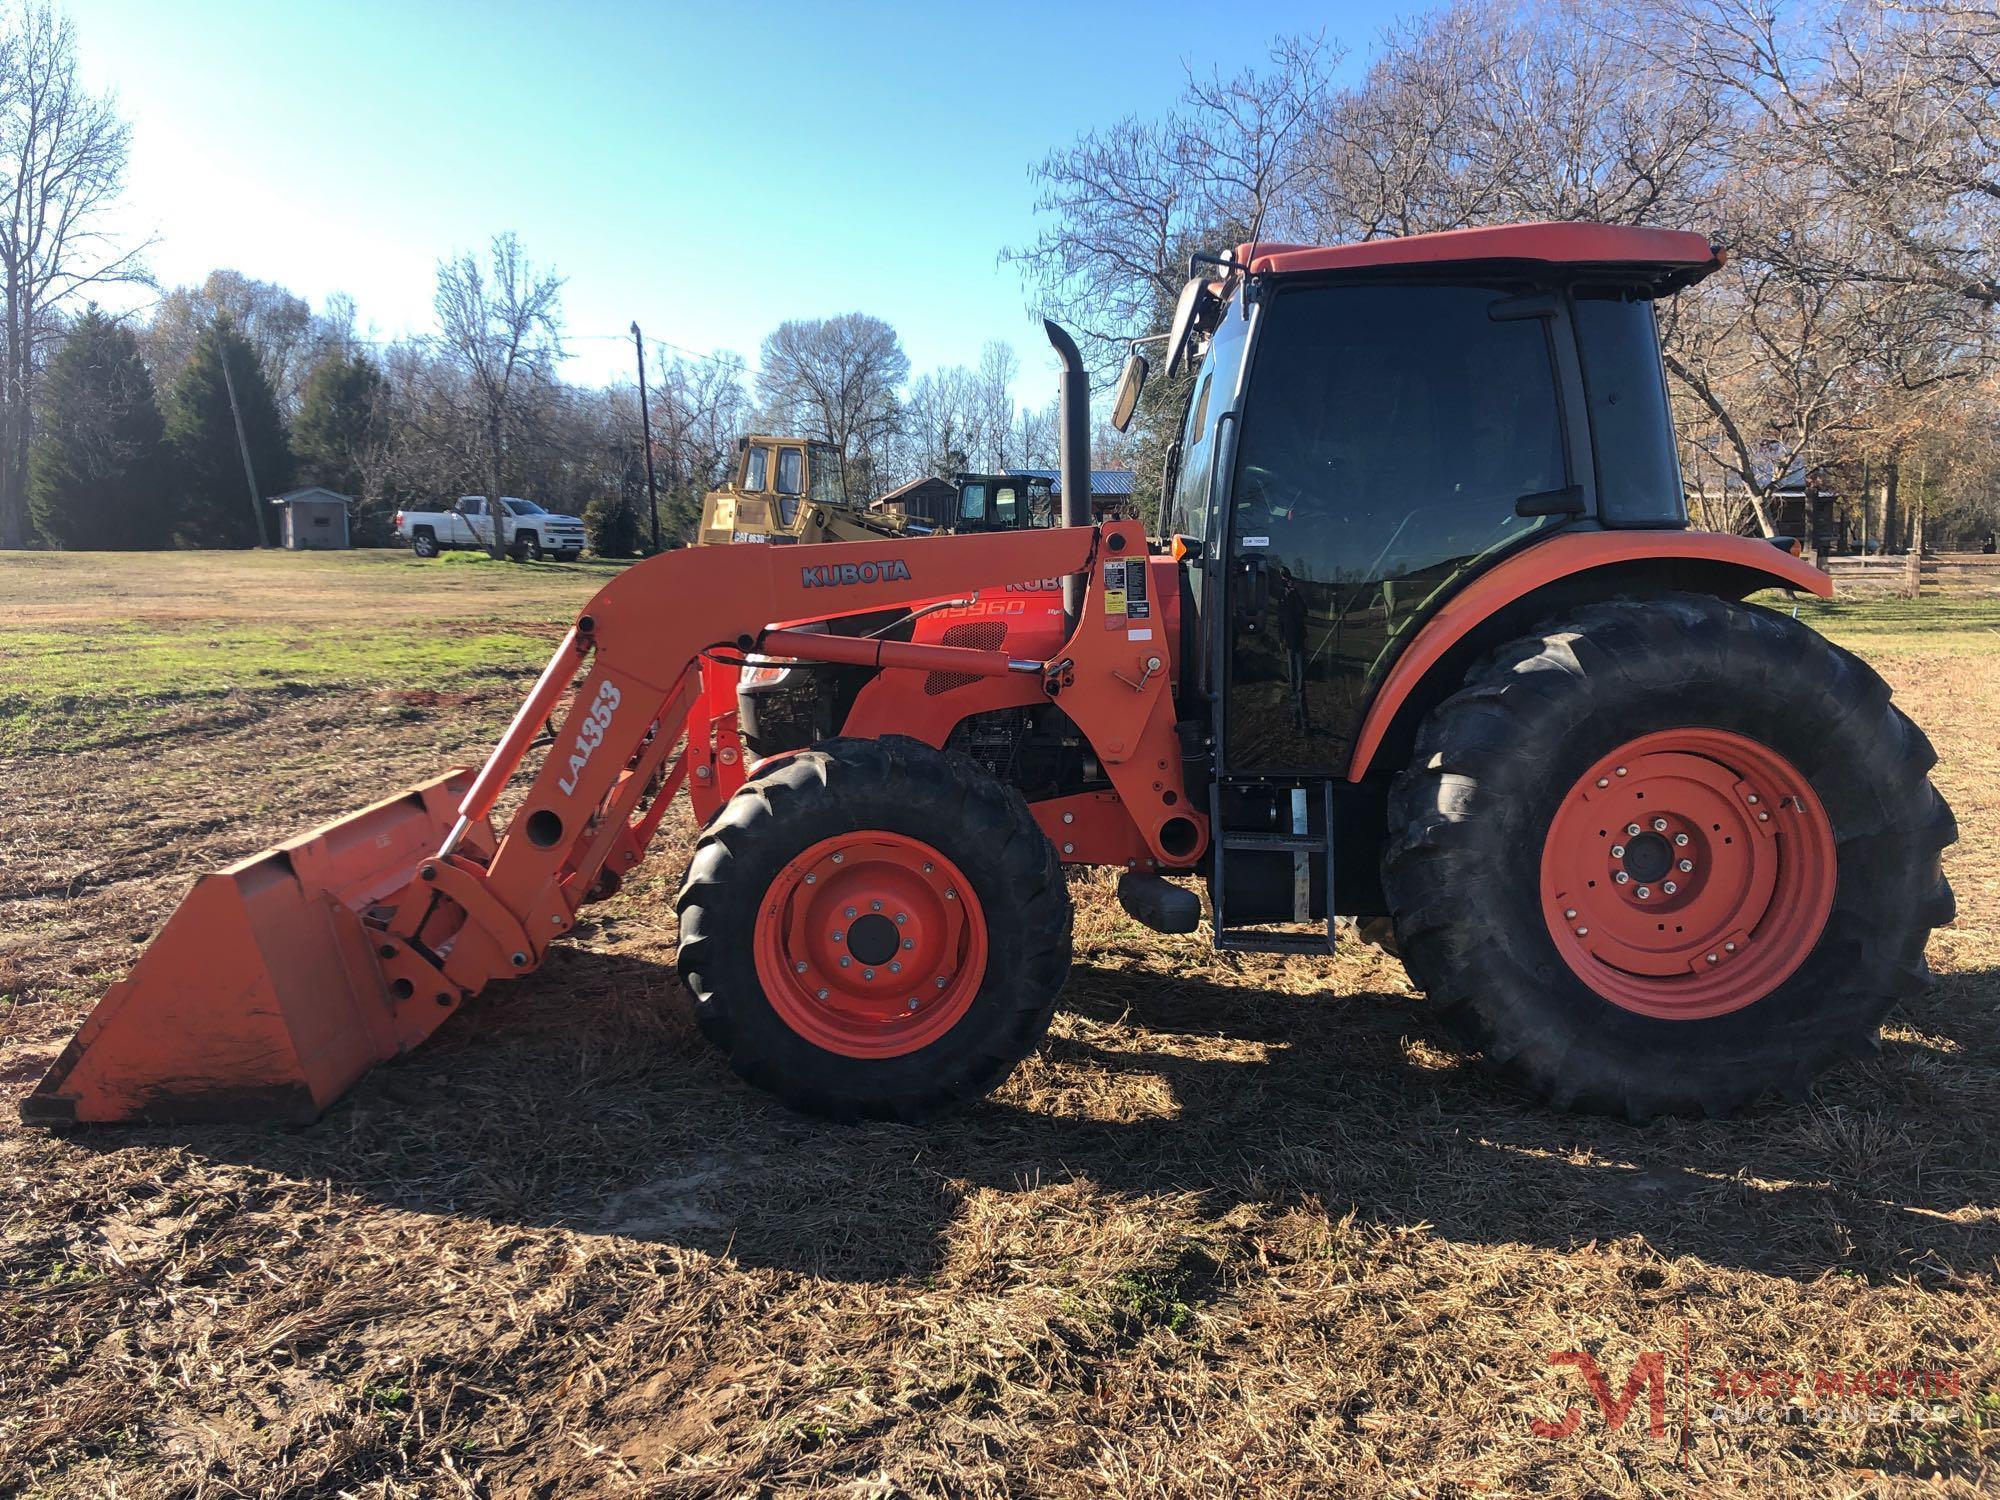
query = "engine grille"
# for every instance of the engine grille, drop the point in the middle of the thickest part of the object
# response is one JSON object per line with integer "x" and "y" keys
{"x": 977, "y": 635}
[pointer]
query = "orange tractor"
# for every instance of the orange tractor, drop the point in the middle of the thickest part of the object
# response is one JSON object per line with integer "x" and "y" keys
{"x": 1428, "y": 644}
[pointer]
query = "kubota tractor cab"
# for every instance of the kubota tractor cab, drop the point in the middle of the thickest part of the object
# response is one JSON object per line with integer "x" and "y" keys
{"x": 1428, "y": 644}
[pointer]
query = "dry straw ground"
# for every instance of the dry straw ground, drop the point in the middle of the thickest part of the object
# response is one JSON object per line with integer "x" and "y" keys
{"x": 1245, "y": 1226}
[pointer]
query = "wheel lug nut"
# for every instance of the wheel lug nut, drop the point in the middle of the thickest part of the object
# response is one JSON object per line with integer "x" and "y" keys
{"x": 838, "y": 934}
{"x": 1632, "y": 829}
{"x": 845, "y": 960}
{"x": 875, "y": 905}
{"x": 1714, "y": 958}
{"x": 1686, "y": 865}
{"x": 927, "y": 869}
{"x": 909, "y": 943}
{"x": 850, "y": 914}
{"x": 1681, "y": 838}
{"x": 1643, "y": 893}
{"x": 1604, "y": 781}
{"x": 799, "y": 967}
{"x": 950, "y": 895}
{"x": 913, "y": 1002}
{"x": 1752, "y": 799}
{"x": 1763, "y": 817}
{"x": 838, "y": 858}
{"x": 1583, "y": 932}
{"x": 1621, "y": 770}
{"x": 1659, "y": 825}
{"x": 1728, "y": 947}
{"x": 822, "y": 994}
{"x": 867, "y": 973}
{"x": 1571, "y": 914}
{"x": 895, "y": 966}
{"x": 812, "y": 880}
{"x": 1622, "y": 878}
{"x": 1617, "y": 851}
{"x": 1669, "y": 887}
{"x": 902, "y": 917}
{"x": 940, "y": 981}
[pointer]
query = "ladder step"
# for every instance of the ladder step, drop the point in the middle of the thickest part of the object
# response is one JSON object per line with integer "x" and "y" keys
{"x": 1298, "y": 843}
{"x": 1238, "y": 940}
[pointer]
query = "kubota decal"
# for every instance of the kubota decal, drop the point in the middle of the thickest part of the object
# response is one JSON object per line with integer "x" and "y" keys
{"x": 591, "y": 734}
{"x": 834, "y": 575}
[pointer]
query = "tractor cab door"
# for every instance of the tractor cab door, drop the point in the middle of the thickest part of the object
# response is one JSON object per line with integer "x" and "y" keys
{"x": 1196, "y": 471}
{"x": 1394, "y": 438}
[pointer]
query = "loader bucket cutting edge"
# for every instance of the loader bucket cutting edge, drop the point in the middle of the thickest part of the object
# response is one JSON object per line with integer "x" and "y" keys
{"x": 262, "y": 998}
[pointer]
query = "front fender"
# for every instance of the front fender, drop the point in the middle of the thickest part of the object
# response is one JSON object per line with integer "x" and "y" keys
{"x": 1710, "y": 561}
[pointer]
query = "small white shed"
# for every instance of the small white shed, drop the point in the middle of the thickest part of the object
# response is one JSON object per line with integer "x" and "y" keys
{"x": 314, "y": 517}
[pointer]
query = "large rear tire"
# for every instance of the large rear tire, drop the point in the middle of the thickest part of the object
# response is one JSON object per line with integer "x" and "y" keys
{"x": 1666, "y": 855}
{"x": 873, "y": 928}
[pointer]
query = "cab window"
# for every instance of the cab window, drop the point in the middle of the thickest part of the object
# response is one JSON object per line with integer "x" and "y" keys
{"x": 791, "y": 483}
{"x": 791, "y": 471}
{"x": 972, "y": 503}
{"x": 1003, "y": 507}
{"x": 756, "y": 466}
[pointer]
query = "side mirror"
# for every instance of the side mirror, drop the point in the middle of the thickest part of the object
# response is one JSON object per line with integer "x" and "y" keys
{"x": 1131, "y": 385}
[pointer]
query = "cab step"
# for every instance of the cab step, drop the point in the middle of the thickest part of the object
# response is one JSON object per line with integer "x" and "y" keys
{"x": 1306, "y": 847}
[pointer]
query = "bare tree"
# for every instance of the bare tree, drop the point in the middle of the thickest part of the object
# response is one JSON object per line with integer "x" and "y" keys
{"x": 501, "y": 330}
{"x": 836, "y": 379}
{"x": 1130, "y": 202}
{"x": 277, "y": 322}
{"x": 700, "y": 407}
{"x": 62, "y": 163}
{"x": 941, "y": 424}
{"x": 994, "y": 393}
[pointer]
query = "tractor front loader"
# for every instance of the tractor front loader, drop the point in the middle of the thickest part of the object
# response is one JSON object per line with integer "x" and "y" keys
{"x": 1427, "y": 643}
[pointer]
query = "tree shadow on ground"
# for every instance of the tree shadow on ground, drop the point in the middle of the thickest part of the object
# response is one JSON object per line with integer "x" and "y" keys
{"x": 583, "y": 1098}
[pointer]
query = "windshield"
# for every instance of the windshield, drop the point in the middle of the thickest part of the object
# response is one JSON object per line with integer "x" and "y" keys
{"x": 756, "y": 464}
{"x": 523, "y": 508}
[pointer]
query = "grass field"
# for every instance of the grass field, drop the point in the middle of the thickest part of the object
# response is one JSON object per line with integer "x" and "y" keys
{"x": 1245, "y": 1226}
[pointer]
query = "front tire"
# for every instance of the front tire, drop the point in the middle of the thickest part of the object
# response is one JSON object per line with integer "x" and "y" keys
{"x": 873, "y": 928}
{"x": 1771, "y": 906}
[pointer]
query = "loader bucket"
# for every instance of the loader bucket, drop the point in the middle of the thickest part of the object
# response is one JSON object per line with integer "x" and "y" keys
{"x": 262, "y": 997}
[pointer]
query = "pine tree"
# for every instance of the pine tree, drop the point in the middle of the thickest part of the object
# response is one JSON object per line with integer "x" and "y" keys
{"x": 215, "y": 505}
{"x": 338, "y": 435}
{"x": 98, "y": 475}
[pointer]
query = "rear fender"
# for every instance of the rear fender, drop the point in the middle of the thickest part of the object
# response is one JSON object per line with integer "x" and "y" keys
{"x": 1565, "y": 570}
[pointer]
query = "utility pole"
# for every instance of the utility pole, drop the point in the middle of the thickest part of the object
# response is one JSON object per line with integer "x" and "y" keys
{"x": 646, "y": 431}
{"x": 242, "y": 443}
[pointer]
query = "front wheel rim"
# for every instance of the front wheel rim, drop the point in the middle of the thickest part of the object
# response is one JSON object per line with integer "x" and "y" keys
{"x": 871, "y": 944}
{"x": 1688, "y": 874}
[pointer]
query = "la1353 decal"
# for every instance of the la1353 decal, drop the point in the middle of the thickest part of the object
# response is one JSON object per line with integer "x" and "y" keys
{"x": 590, "y": 734}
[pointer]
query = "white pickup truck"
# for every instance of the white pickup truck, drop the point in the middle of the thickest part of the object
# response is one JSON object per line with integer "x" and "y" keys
{"x": 526, "y": 529}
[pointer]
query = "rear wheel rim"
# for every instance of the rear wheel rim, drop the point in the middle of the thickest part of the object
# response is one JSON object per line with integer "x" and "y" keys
{"x": 1688, "y": 874}
{"x": 871, "y": 944}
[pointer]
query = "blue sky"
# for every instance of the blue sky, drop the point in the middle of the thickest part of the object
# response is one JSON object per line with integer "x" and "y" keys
{"x": 707, "y": 169}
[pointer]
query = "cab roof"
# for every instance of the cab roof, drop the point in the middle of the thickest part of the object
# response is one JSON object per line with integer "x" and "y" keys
{"x": 1667, "y": 258}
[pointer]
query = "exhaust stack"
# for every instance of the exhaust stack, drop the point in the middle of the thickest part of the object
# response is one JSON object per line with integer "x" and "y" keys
{"x": 1073, "y": 402}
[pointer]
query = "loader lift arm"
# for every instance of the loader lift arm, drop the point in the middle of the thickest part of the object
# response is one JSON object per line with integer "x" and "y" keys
{"x": 283, "y": 979}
